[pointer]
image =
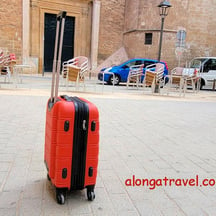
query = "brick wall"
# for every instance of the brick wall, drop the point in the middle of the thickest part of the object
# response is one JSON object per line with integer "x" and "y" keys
{"x": 111, "y": 27}
{"x": 11, "y": 27}
{"x": 195, "y": 16}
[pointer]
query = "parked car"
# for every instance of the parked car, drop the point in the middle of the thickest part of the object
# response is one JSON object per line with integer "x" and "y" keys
{"x": 207, "y": 68}
{"x": 121, "y": 71}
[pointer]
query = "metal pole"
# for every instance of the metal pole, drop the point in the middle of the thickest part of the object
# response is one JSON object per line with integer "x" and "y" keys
{"x": 156, "y": 89}
{"x": 161, "y": 38}
{"x": 59, "y": 59}
{"x": 54, "y": 61}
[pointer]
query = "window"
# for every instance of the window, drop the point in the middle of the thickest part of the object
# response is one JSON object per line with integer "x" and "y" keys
{"x": 148, "y": 38}
{"x": 210, "y": 65}
{"x": 147, "y": 63}
{"x": 197, "y": 62}
{"x": 132, "y": 63}
{"x": 138, "y": 62}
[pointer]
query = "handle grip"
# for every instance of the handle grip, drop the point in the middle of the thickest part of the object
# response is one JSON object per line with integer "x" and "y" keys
{"x": 61, "y": 15}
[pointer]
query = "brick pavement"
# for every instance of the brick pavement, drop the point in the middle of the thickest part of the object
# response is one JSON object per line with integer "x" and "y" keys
{"x": 149, "y": 137}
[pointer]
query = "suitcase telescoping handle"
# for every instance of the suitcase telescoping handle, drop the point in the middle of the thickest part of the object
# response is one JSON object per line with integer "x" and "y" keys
{"x": 57, "y": 55}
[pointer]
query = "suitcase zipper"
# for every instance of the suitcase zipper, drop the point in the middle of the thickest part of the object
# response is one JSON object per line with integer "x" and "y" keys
{"x": 79, "y": 142}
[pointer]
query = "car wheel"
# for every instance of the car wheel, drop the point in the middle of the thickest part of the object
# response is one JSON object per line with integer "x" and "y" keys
{"x": 117, "y": 80}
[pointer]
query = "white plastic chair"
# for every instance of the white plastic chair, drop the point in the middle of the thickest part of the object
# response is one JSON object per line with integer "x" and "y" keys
{"x": 6, "y": 61}
{"x": 177, "y": 81}
{"x": 135, "y": 74}
{"x": 154, "y": 77}
{"x": 6, "y": 73}
{"x": 194, "y": 80}
{"x": 79, "y": 64}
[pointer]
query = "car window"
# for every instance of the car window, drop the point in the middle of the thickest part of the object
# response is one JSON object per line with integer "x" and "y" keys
{"x": 210, "y": 65}
{"x": 138, "y": 62}
{"x": 195, "y": 63}
{"x": 213, "y": 66}
{"x": 147, "y": 63}
{"x": 132, "y": 63}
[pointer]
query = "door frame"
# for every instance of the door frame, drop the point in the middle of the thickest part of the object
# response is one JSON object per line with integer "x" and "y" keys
{"x": 77, "y": 34}
{"x": 66, "y": 54}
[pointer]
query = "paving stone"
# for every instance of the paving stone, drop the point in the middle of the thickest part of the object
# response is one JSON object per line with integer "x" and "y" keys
{"x": 77, "y": 206}
{"x": 103, "y": 209}
{"x": 172, "y": 212}
{"x": 30, "y": 206}
{"x": 210, "y": 210}
{"x": 146, "y": 207}
{"x": 9, "y": 199}
{"x": 122, "y": 203}
{"x": 8, "y": 212}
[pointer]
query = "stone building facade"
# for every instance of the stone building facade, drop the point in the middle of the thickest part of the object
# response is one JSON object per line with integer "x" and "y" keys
{"x": 102, "y": 28}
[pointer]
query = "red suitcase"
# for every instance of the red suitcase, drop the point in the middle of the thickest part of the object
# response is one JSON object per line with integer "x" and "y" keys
{"x": 71, "y": 138}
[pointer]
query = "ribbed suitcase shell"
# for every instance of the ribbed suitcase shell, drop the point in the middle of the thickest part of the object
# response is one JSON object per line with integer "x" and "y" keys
{"x": 68, "y": 137}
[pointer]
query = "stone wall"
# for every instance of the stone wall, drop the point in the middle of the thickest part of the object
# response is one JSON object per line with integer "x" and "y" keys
{"x": 11, "y": 27}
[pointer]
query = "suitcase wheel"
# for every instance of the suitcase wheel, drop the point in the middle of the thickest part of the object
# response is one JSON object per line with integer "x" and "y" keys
{"x": 90, "y": 195}
{"x": 60, "y": 196}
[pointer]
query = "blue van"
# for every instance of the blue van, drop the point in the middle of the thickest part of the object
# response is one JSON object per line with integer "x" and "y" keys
{"x": 121, "y": 71}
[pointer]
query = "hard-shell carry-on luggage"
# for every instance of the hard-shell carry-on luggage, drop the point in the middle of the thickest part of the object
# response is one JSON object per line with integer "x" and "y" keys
{"x": 71, "y": 136}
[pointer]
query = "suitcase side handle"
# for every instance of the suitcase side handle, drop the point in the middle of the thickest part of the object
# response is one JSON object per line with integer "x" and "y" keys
{"x": 66, "y": 97}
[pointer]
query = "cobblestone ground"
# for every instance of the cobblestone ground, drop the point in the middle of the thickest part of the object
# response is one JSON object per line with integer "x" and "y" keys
{"x": 144, "y": 137}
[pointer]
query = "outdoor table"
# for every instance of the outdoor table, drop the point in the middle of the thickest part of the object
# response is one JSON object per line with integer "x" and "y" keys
{"x": 17, "y": 69}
